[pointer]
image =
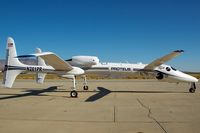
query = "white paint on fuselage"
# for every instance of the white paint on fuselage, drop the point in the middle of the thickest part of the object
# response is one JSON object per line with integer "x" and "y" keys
{"x": 116, "y": 67}
{"x": 171, "y": 74}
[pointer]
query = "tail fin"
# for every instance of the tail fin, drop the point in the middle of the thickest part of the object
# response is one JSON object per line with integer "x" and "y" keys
{"x": 11, "y": 53}
{"x": 12, "y": 63}
{"x": 40, "y": 62}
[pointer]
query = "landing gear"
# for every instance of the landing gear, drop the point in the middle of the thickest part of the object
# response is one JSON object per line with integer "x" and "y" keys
{"x": 85, "y": 87}
{"x": 74, "y": 93}
{"x": 192, "y": 88}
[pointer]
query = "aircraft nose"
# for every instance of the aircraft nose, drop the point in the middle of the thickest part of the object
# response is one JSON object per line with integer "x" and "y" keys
{"x": 192, "y": 79}
{"x": 196, "y": 80}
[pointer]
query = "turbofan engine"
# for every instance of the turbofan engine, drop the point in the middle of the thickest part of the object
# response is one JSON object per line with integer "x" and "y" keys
{"x": 85, "y": 61}
{"x": 159, "y": 76}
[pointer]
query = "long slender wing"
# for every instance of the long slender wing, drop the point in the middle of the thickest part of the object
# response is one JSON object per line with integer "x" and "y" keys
{"x": 162, "y": 60}
{"x": 52, "y": 60}
{"x": 55, "y": 61}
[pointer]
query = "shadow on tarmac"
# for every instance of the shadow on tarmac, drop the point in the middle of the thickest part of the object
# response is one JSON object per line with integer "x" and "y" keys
{"x": 30, "y": 93}
{"x": 101, "y": 92}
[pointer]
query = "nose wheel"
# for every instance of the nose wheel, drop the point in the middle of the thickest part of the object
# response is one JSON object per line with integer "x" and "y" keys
{"x": 192, "y": 88}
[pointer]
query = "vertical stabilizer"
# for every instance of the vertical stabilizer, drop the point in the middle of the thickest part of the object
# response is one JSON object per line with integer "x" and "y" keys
{"x": 11, "y": 53}
{"x": 40, "y": 62}
{"x": 13, "y": 66}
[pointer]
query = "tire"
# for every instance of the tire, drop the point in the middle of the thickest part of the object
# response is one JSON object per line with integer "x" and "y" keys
{"x": 85, "y": 87}
{"x": 192, "y": 90}
{"x": 74, "y": 94}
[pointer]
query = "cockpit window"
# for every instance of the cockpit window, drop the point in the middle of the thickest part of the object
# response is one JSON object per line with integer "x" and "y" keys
{"x": 168, "y": 69}
{"x": 173, "y": 69}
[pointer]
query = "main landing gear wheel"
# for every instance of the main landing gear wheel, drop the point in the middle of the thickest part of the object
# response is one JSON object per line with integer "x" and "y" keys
{"x": 74, "y": 94}
{"x": 192, "y": 90}
{"x": 85, "y": 87}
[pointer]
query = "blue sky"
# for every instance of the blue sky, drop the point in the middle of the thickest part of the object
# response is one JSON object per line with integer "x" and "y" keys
{"x": 116, "y": 31}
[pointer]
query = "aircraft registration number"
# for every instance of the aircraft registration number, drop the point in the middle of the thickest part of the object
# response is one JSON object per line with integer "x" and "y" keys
{"x": 34, "y": 69}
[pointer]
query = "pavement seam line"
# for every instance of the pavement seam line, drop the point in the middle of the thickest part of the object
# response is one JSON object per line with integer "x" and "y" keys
{"x": 150, "y": 115}
{"x": 114, "y": 113}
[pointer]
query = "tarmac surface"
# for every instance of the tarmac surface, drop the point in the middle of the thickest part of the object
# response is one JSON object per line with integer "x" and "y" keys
{"x": 109, "y": 106}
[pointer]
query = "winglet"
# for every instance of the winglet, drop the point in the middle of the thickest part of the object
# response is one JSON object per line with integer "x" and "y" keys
{"x": 179, "y": 51}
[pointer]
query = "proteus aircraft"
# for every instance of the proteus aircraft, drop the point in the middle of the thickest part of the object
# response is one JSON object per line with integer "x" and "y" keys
{"x": 48, "y": 62}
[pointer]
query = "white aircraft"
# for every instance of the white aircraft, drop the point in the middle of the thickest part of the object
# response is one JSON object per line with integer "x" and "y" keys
{"x": 78, "y": 65}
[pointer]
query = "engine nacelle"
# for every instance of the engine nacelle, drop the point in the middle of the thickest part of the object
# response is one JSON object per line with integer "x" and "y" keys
{"x": 85, "y": 61}
{"x": 166, "y": 78}
{"x": 159, "y": 76}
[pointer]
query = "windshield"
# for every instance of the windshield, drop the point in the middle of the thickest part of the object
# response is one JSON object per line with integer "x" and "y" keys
{"x": 173, "y": 69}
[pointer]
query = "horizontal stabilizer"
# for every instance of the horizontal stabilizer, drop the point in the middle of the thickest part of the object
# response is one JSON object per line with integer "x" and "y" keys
{"x": 40, "y": 78}
{"x": 9, "y": 77}
{"x": 40, "y": 62}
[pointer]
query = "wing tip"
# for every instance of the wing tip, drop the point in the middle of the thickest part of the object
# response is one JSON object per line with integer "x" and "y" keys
{"x": 179, "y": 51}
